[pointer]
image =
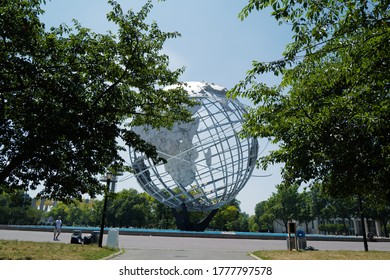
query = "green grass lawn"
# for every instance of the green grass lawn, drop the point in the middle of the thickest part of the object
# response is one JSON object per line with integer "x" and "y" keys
{"x": 26, "y": 250}
{"x": 322, "y": 255}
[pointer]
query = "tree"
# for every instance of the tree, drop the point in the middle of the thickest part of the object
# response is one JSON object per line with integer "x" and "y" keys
{"x": 306, "y": 214}
{"x": 337, "y": 209}
{"x": 60, "y": 210}
{"x": 80, "y": 213}
{"x": 68, "y": 95}
{"x": 162, "y": 216}
{"x": 227, "y": 215}
{"x": 241, "y": 223}
{"x": 263, "y": 218}
{"x": 330, "y": 113}
{"x": 378, "y": 210}
{"x": 253, "y": 225}
{"x": 77, "y": 213}
{"x": 15, "y": 208}
{"x": 284, "y": 205}
{"x": 128, "y": 208}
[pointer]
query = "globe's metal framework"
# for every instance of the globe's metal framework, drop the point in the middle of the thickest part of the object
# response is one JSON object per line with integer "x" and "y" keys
{"x": 208, "y": 163}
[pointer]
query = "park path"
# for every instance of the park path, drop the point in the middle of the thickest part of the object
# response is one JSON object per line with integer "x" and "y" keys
{"x": 192, "y": 248}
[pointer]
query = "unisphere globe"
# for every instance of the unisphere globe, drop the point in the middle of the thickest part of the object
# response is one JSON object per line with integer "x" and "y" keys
{"x": 207, "y": 161}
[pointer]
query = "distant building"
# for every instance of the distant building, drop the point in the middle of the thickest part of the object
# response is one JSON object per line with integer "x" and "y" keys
{"x": 352, "y": 227}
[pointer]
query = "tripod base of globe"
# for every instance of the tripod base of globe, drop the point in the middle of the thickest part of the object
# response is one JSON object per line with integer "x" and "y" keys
{"x": 184, "y": 223}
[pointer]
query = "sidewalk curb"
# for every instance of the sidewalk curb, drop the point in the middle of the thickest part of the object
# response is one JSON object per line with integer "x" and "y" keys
{"x": 114, "y": 255}
{"x": 255, "y": 257}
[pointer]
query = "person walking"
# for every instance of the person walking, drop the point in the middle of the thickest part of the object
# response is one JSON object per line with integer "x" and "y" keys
{"x": 57, "y": 228}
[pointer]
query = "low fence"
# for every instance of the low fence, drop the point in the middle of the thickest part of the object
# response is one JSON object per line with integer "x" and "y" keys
{"x": 205, "y": 234}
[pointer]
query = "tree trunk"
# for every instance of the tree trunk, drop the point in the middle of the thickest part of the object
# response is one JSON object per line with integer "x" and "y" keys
{"x": 384, "y": 222}
{"x": 363, "y": 226}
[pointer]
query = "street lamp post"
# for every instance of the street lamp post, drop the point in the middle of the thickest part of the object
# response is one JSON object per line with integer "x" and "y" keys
{"x": 108, "y": 178}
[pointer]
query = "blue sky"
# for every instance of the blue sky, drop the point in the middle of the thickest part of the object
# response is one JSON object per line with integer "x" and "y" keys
{"x": 215, "y": 46}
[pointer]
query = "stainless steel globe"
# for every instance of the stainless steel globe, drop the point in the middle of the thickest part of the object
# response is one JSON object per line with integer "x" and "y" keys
{"x": 208, "y": 163}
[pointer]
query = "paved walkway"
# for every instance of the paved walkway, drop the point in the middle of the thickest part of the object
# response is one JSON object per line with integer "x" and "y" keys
{"x": 189, "y": 248}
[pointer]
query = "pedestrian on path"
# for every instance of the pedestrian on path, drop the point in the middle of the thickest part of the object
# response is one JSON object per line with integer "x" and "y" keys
{"x": 57, "y": 228}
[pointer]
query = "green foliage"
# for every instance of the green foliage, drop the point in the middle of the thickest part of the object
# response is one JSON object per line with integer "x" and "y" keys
{"x": 284, "y": 205}
{"x": 61, "y": 210}
{"x": 162, "y": 216}
{"x": 129, "y": 209}
{"x": 314, "y": 204}
{"x": 264, "y": 218}
{"x": 325, "y": 207}
{"x": 241, "y": 223}
{"x": 378, "y": 210}
{"x": 230, "y": 218}
{"x": 330, "y": 114}
{"x": 225, "y": 215}
{"x": 15, "y": 208}
{"x": 253, "y": 225}
{"x": 334, "y": 229}
{"x": 66, "y": 93}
